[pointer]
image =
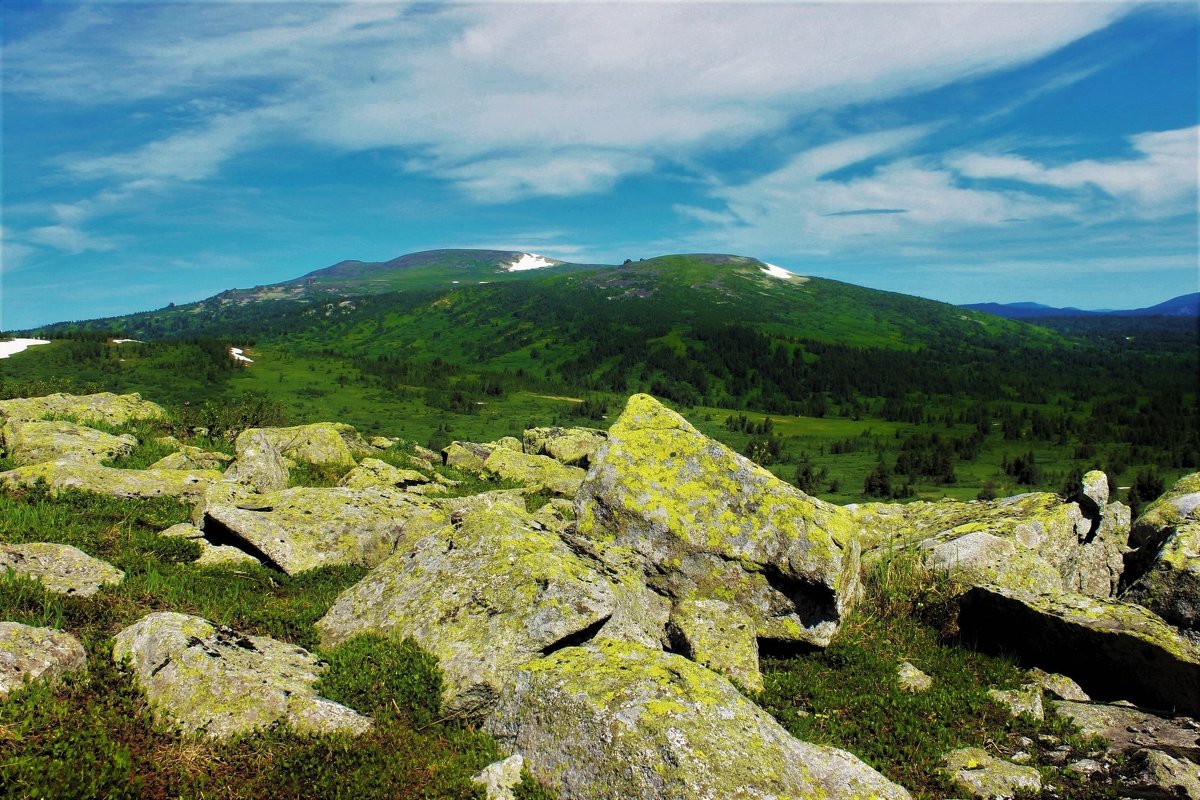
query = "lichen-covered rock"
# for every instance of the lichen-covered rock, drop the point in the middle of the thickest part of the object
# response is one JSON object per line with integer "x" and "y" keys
{"x": 1059, "y": 686}
{"x": 304, "y": 528}
{"x": 187, "y": 485}
{"x": 210, "y": 554}
{"x": 259, "y": 464}
{"x": 508, "y": 443}
{"x": 36, "y": 442}
{"x": 212, "y": 680}
{"x": 458, "y": 507}
{"x": 189, "y": 457}
{"x": 1030, "y": 542}
{"x": 539, "y": 473}
{"x": 556, "y": 515}
{"x": 500, "y": 778}
{"x": 612, "y": 720}
{"x": 1164, "y": 569}
{"x": 990, "y": 778}
{"x": 912, "y": 679}
{"x": 716, "y": 635}
{"x": 106, "y": 407}
{"x": 1112, "y": 649}
{"x": 1174, "y": 777}
{"x": 1128, "y": 729}
{"x": 467, "y": 456}
{"x": 1026, "y": 700}
{"x": 573, "y": 446}
{"x": 321, "y": 443}
{"x": 28, "y": 654}
{"x": 373, "y": 472}
{"x": 484, "y": 596}
{"x": 60, "y": 568}
{"x": 1093, "y": 492}
{"x": 709, "y": 523}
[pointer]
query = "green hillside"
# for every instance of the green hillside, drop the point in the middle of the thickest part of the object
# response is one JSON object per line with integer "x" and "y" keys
{"x": 824, "y": 382}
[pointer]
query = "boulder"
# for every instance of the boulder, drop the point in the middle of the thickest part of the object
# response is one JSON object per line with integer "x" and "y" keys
{"x": 373, "y": 472}
{"x": 215, "y": 681}
{"x": 614, "y": 720}
{"x": 106, "y": 407}
{"x": 1128, "y": 729}
{"x": 60, "y": 568}
{"x": 912, "y": 679}
{"x": 259, "y": 465}
{"x": 539, "y": 473}
{"x": 467, "y": 456}
{"x": 189, "y": 457}
{"x": 1093, "y": 493}
{"x": 210, "y": 554}
{"x": 507, "y": 443}
{"x": 28, "y": 654}
{"x": 1026, "y": 700}
{"x": 1164, "y": 571}
{"x": 35, "y": 442}
{"x": 572, "y": 446}
{"x": 716, "y": 635}
{"x": 321, "y": 443}
{"x": 709, "y": 523}
{"x": 499, "y": 779}
{"x": 1173, "y": 777}
{"x": 1031, "y": 542}
{"x": 1059, "y": 686}
{"x": 187, "y": 485}
{"x": 1111, "y": 649}
{"x": 303, "y": 528}
{"x": 484, "y": 596}
{"x": 986, "y": 777}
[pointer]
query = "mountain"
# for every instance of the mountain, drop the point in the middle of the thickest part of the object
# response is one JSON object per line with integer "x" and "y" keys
{"x": 1187, "y": 305}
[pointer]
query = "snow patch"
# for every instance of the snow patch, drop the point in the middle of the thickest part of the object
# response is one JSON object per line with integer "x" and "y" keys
{"x": 125, "y": 341}
{"x": 777, "y": 272}
{"x": 527, "y": 261}
{"x": 236, "y": 352}
{"x": 14, "y": 346}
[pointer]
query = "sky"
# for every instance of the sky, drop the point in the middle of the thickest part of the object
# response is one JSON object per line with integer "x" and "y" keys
{"x": 157, "y": 152}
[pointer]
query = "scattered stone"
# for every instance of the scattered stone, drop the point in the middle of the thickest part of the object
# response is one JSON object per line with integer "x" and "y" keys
{"x": 215, "y": 681}
{"x": 36, "y": 442}
{"x": 60, "y": 568}
{"x": 320, "y": 444}
{"x": 373, "y": 472}
{"x": 1026, "y": 700}
{"x": 382, "y": 442}
{"x": 187, "y": 485}
{"x": 1128, "y": 729}
{"x": 572, "y": 446}
{"x": 1176, "y": 777}
{"x": 1112, "y": 649}
{"x": 912, "y": 679}
{"x": 1086, "y": 767}
{"x": 709, "y": 523}
{"x": 304, "y": 528}
{"x": 1060, "y": 686}
{"x": 716, "y": 635}
{"x": 986, "y": 777}
{"x": 28, "y": 654}
{"x": 106, "y": 407}
{"x": 613, "y": 720}
{"x": 484, "y": 596}
{"x": 1020, "y": 757}
{"x": 539, "y": 473}
{"x": 500, "y": 778}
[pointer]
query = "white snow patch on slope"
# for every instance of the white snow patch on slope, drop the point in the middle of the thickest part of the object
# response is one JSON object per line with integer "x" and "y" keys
{"x": 125, "y": 341}
{"x": 13, "y": 346}
{"x": 777, "y": 272}
{"x": 528, "y": 261}
{"x": 236, "y": 352}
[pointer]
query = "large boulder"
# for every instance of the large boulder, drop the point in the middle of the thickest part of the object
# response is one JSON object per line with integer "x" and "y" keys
{"x": 258, "y": 465}
{"x": 614, "y": 720}
{"x": 189, "y": 457}
{"x": 187, "y": 485}
{"x": 539, "y": 473}
{"x": 1030, "y": 542}
{"x": 1112, "y": 649}
{"x": 28, "y": 653}
{"x": 321, "y": 443}
{"x": 373, "y": 472}
{"x": 215, "y": 681}
{"x": 467, "y": 456}
{"x": 304, "y": 528}
{"x": 1127, "y": 729}
{"x": 1166, "y": 560}
{"x": 485, "y": 596}
{"x": 35, "y": 442}
{"x": 59, "y": 567}
{"x": 106, "y": 407}
{"x": 709, "y": 523}
{"x": 572, "y": 446}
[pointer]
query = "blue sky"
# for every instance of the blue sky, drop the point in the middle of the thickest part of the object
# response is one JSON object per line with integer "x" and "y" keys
{"x": 962, "y": 151}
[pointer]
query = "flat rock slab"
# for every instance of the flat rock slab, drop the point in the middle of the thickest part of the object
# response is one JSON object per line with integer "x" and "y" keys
{"x": 613, "y": 720}
{"x": 113, "y": 409}
{"x": 484, "y": 596}
{"x": 35, "y": 442}
{"x": 1112, "y": 649}
{"x": 212, "y": 680}
{"x": 305, "y": 528}
{"x": 710, "y": 523}
{"x": 1128, "y": 729}
{"x": 59, "y": 567}
{"x": 28, "y": 653}
{"x": 187, "y": 485}
{"x": 973, "y": 769}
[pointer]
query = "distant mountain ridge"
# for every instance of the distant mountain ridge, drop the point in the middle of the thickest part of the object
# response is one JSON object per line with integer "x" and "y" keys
{"x": 1187, "y": 305}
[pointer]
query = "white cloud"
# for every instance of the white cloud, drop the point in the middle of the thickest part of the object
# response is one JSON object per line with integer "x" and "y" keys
{"x": 70, "y": 239}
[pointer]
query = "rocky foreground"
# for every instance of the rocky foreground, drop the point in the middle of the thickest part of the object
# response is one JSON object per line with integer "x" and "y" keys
{"x": 610, "y": 638}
